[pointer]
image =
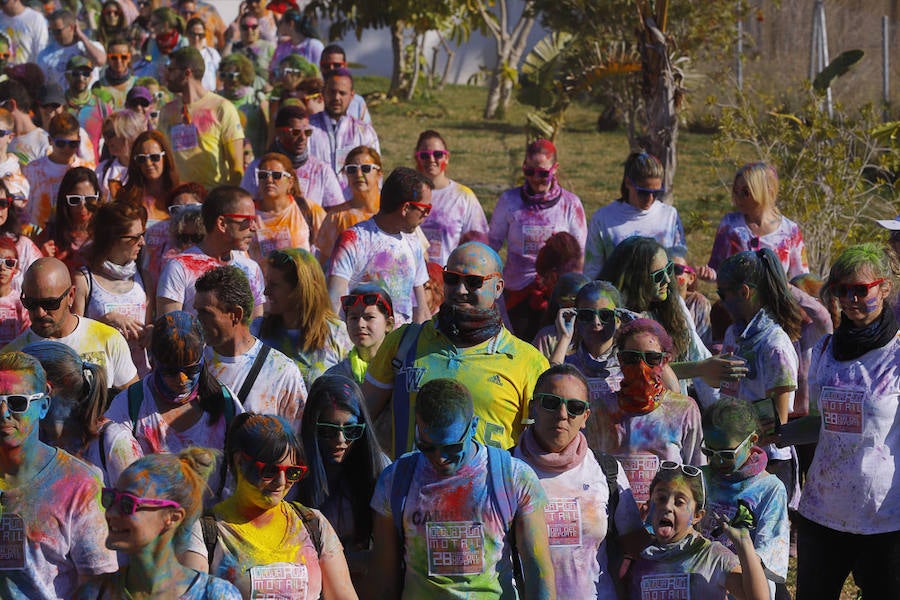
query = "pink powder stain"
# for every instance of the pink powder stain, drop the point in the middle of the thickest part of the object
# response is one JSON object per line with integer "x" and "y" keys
{"x": 205, "y": 119}
{"x": 197, "y": 263}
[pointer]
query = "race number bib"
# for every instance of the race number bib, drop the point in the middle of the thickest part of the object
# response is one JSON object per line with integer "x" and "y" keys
{"x": 9, "y": 323}
{"x": 842, "y": 409}
{"x": 184, "y": 137}
{"x": 455, "y": 548}
{"x": 12, "y": 542}
{"x": 676, "y": 586}
{"x": 533, "y": 237}
{"x": 136, "y": 311}
{"x": 279, "y": 581}
{"x": 640, "y": 468}
{"x": 563, "y": 517}
{"x": 273, "y": 239}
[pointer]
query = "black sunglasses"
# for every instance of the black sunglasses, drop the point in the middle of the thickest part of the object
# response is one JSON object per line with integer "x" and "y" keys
{"x": 470, "y": 280}
{"x": 190, "y": 371}
{"x": 633, "y": 357}
{"x": 453, "y": 449}
{"x": 47, "y": 304}
{"x": 587, "y": 315}
{"x": 61, "y": 143}
{"x": 552, "y": 402}
{"x": 351, "y": 431}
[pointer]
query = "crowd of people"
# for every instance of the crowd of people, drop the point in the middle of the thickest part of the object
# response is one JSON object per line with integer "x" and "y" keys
{"x": 240, "y": 360}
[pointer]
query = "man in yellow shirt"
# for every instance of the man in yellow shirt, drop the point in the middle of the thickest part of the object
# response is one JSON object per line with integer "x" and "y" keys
{"x": 467, "y": 342}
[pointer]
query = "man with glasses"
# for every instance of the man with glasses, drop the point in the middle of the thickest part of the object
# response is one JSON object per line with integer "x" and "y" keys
{"x": 229, "y": 217}
{"x": 385, "y": 250}
{"x": 48, "y": 495}
{"x": 335, "y": 132}
{"x": 26, "y": 28}
{"x": 116, "y": 78}
{"x": 89, "y": 106}
{"x": 68, "y": 41}
{"x": 466, "y": 341}
{"x": 445, "y": 515}
{"x": 46, "y": 173}
{"x": 317, "y": 181}
{"x": 204, "y": 128}
{"x": 262, "y": 379}
{"x": 48, "y": 295}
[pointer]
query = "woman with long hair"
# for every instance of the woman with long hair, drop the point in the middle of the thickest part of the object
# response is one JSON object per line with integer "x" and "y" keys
{"x": 263, "y": 540}
{"x": 287, "y": 219}
{"x": 70, "y": 227}
{"x": 363, "y": 170}
{"x": 75, "y": 422}
{"x": 645, "y": 277}
{"x": 152, "y": 174}
{"x": 150, "y": 512}
{"x": 299, "y": 319}
{"x": 179, "y": 403}
{"x": 344, "y": 461}
{"x": 112, "y": 23}
{"x": 455, "y": 209}
{"x": 109, "y": 288}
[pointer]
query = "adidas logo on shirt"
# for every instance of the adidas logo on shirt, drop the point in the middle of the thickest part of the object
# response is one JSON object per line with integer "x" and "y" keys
{"x": 495, "y": 379}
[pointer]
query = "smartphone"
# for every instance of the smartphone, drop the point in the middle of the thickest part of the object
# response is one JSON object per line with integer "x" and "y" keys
{"x": 767, "y": 415}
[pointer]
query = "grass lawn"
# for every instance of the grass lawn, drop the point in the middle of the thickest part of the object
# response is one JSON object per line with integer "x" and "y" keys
{"x": 487, "y": 156}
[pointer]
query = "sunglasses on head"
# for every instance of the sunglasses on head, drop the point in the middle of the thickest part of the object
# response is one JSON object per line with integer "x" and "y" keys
{"x": 682, "y": 269}
{"x": 454, "y": 449}
{"x": 724, "y": 455}
{"x": 539, "y": 172}
{"x": 552, "y": 402}
{"x": 437, "y": 155}
{"x": 351, "y": 431}
{"x": 78, "y": 199}
{"x": 855, "y": 290}
{"x": 472, "y": 281}
{"x": 296, "y": 131}
{"x": 19, "y": 403}
{"x": 189, "y": 238}
{"x": 365, "y": 169}
{"x": 351, "y": 300}
{"x": 72, "y": 144}
{"x": 633, "y": 357}
{"x": 9, "y": 263}
{"x": 587, "y": 315}
{"x": 190, "y": 371}
{"x": 687, "y": 470}
{"x": 263, "y": 175}
{"x": 47, "y": 304}
{"x": 663, "y": 275}
{"x": 129, "y": 503}
{"x": 269, "y": 471}
{"x": 153, "y": 157}
{"x": 244, "y": 221}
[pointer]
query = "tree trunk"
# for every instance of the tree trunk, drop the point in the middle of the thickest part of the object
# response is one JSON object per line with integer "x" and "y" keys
{"x": 510, "y": 47}
{"x": 419, "y": 44}
{"x": 398, "y": 74}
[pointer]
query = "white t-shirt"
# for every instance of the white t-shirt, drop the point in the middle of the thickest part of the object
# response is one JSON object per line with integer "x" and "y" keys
{"x": 852, "y": 484}
{"x": 154, "y": 434}
{"x": 577, "y": 514}
{"x": 176, "y": 282}
{"x": 11, "y": 173}
{"x": 28, "y": 33}
{"x": 619, "y": 220}
{"x": 279, "y": 388}
{"x": 53, "y": 531}
{"x": 54, "y": 58}
{"x": 95, "y": 342}
{"x": 367, "y": 254}
{"x": 455, "y": 210}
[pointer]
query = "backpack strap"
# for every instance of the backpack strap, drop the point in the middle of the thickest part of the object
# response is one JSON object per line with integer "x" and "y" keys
{"x": 405, "y": 357}
{"x": 101, "y": 441}
{"x": 228, "y": 412}
{"x": 84, "y": 270}
{"x": 255, "y": 368}
{"x": 312, "y": 524}
{"x": 210, "y": 536}
{"x": 403, "y": 474}
{"x": 614, "y": 555}
{"x": 135, "y": 399}
{"x": 499, "y": 462}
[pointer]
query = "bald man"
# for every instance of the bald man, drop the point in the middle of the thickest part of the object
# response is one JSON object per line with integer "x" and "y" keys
{"x": 465, "y": 341}
{"x": 48, "y": 294}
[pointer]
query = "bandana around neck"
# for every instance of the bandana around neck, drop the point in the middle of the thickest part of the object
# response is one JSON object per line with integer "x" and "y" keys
{"x": 118, "y": 272}
{"x": 160, "y": 389}
{"x": 557, "y": 462}
{"x": 468, "y": 326}
{"x": 641, "y": 389}
{"x": 852, "y": 342}
{"x": 543, "y": 199}
{"x": 297, "y": 160}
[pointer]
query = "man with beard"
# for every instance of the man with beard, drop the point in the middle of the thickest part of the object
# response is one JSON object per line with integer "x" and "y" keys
{"x": 117, "y": 78}
{"x": 317, "y": 181}
{"x": 465, "y": 341}
{"x": 203, "y": 127}
{"x": 48, "y": 294}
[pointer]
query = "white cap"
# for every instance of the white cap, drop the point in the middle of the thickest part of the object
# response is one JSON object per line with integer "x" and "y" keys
{"x": 892, "y": 224}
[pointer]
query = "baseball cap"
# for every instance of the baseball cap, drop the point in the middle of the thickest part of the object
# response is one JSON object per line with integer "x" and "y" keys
{"x": 78, "y": 61}
{"x": 51, "y": 93}
{"x": 138, "y": 92}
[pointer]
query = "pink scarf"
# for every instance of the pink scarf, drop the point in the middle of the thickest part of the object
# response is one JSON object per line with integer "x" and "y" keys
{"x": 558, "y": 462}
{"x": 755, "y": 465}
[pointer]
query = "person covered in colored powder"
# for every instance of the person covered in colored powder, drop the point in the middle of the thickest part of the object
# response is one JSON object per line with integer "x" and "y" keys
{"x": 52, "y": 527}
{"x": 448, "y": 511}
{"x": 590, "y": 510}
{"x": 466, "y": 341}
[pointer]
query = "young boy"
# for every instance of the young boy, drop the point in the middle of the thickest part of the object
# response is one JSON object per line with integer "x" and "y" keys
{"x": 46, "y": 173}
{"x": 14, "y": 319}
{"x": 10, "y": 165}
